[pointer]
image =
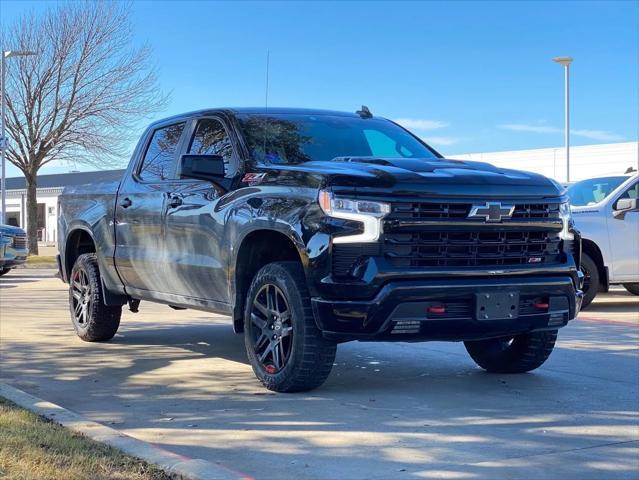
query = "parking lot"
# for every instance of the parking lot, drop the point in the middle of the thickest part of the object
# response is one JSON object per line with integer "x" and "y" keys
{"x": 180, "y": 379}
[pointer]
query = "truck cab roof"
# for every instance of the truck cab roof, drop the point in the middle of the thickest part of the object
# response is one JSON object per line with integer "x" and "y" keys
{"x": 256, "y": 111}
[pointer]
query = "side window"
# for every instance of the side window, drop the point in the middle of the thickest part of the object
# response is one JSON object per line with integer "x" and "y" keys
{"x": 210, "y": 138}
{"x": 159, "y": 157}
{"x": 632, "y": 192}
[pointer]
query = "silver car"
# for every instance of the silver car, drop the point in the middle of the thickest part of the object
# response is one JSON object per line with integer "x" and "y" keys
{"x": 13, "y": 248}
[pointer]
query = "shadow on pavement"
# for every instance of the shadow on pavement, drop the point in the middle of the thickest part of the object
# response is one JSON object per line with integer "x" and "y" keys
{"x": 181, "y": 379}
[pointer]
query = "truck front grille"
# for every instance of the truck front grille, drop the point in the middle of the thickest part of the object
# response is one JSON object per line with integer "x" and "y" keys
{"x": 20, "y": 242}
{"x": 428, "y": 211}
{"x": 419, "y": 234}
{"x": 471, "y": 248}
{"x": 441, "y": 211}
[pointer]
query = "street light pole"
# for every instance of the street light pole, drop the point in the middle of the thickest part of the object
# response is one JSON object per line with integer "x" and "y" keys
{"x": 566, "y": 61}
{"x": 3, "y": 139}
{"x": 3, "y": 146}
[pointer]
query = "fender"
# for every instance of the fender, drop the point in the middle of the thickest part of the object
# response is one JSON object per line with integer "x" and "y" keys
{"x": 111, "y": 295}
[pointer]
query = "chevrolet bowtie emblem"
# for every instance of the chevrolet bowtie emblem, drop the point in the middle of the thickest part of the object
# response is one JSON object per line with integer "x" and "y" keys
{"x": 492, "y": 212}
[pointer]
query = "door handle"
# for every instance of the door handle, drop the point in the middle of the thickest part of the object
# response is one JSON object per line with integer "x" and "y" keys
{"x": 126, "y": 203}
{"x": 175, "y": 201}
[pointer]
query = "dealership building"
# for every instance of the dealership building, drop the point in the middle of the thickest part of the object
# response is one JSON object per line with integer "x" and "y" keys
{"x": 585, "y": 162}
{"x": 49, "y": 188}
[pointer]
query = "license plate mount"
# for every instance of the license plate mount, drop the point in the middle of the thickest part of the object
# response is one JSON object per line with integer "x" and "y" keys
{"x": 496, "y": 305}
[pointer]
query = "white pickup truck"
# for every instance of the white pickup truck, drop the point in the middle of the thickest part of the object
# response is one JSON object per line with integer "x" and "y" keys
{"x": 606, "y": 213}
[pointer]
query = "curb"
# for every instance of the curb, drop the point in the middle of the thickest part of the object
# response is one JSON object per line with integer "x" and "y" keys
{"x": 177, "y": 466}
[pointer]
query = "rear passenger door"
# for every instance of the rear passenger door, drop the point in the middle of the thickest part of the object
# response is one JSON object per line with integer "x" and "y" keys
{"x": 195, "y": 222}
{"x": 140, "y": 254}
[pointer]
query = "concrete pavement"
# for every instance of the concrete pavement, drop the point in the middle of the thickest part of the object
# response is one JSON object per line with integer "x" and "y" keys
{"x": 180, "y": 379}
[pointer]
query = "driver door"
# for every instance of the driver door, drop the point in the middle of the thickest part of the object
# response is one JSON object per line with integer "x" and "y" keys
{"x": 194, "y": 223}
{"x": 624, "y": 232}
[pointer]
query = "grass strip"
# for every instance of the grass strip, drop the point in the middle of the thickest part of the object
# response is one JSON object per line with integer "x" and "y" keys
{"x": 34, "y": 448}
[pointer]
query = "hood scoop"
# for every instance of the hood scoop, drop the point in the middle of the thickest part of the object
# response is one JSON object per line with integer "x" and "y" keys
{"x": 420, "y": 166}
{"x": 369, "y": 160}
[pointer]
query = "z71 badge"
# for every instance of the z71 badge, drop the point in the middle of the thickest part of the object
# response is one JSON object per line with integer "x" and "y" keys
{"x": 253, "y": 178}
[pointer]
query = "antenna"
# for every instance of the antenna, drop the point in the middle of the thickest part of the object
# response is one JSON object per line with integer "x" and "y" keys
{"x": 268, "y": 58}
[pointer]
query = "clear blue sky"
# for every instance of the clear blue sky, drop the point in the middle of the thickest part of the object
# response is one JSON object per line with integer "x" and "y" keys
{"x": 470, "y": 76}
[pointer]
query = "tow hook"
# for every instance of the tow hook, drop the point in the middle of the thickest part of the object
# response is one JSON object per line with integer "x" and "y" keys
{"x": 134, "y": 305}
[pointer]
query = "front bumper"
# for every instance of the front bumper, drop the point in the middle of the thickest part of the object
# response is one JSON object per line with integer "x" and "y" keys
{"x": 400, "y": 310}
{"x": 11, "y": 257}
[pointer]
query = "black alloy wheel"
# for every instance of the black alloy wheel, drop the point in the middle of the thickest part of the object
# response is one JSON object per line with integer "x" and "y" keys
{"x": 81, "y": 298}
{"x": 271, "y": 329}
{"x": 93, "y": 320}
{"x": 286, "y": 349}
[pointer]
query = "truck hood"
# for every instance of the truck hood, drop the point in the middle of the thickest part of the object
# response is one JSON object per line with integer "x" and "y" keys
{"x": 11, "y": 230}
{"x": 426, "y": 177}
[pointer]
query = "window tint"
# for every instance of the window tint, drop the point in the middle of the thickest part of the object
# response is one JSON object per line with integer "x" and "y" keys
{"x": 158, "y": 160}
{"x": 632, "y": 192}
{"x": 593, "y": 190}
{"x": 210, "y": 138}
{"x": 292, "y": 138}
{"x": 381, "y": 145}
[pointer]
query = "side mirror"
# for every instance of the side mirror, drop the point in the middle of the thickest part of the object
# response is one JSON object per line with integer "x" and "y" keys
{"x": 624, "y": 205}
{"x": 202, "y": 167}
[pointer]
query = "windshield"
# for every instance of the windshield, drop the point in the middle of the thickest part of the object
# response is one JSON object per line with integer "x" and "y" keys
{"x": 593, "y": 190}
{"x": 292, "y": 138}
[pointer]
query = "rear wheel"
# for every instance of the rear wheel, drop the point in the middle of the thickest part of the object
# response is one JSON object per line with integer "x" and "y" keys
{"x": 93, "y": 321}
{"x": 286, "y": 349}
{"x": 4, "y": 271}
{"x": 591, "y": 279}
{"x": 518, "y": 354}
{"x": 632, "y": 288}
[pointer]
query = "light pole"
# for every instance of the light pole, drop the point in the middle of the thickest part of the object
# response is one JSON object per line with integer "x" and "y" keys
{"x": 566, "y": 61}
{"x": 3, "y": 139}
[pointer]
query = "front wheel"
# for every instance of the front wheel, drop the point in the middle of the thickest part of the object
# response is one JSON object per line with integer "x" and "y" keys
{"x": 4, "y": 271}
{"x": 632, "y": 288}
{"x": 591, "y": 279}
{"x": 286, "y": 349}
{"x": 93, "y": 321}
{"x": 518, "y": 354}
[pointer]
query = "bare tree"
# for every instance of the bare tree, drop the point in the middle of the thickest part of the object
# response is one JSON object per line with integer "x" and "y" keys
{"x": 80, "y": 96}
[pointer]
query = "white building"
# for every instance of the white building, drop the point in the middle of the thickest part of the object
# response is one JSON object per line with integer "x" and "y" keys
{"x": 586, "y": 161}
{"x": 49, "y": 188}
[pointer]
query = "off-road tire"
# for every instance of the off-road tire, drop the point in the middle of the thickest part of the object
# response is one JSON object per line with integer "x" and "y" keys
{"x": 589, "y": 267}
{"x": 523, "y": 354}
{"x": 311, "y": 356}
{"x": 101, "y": 322}
{"x": 632, "y": 288}
{"x": 4, "y": 271}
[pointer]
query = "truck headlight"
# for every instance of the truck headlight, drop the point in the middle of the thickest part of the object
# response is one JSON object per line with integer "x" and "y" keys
{"x": 566, "y": 217}
{"x": 368, "y": 212}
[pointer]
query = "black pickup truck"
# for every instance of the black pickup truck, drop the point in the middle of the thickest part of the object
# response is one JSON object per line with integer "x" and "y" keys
{"x": 310, "y": 228}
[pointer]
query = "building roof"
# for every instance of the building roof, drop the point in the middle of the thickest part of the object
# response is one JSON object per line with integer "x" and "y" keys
{"x": 61, "y": 180}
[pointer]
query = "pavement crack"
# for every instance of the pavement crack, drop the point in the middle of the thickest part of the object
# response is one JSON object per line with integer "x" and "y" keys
{"x": 559, "y": 452}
